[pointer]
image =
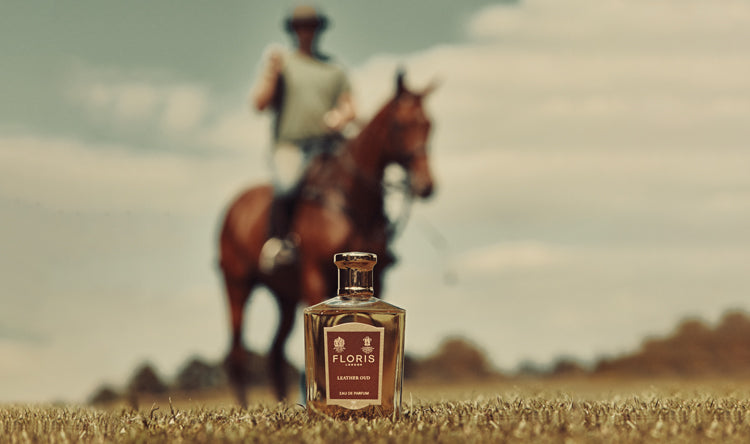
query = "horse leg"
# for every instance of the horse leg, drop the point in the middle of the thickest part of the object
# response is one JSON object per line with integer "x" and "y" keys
{"x": 276, "y": 359}
{"x": 238, "y": 292}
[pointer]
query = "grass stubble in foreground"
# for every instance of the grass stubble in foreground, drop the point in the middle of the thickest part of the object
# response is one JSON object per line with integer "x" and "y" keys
{"x": 511, "y": 415}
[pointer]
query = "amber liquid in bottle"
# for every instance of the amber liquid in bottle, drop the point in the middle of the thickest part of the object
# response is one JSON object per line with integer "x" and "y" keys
{"x": 354, "y": 347}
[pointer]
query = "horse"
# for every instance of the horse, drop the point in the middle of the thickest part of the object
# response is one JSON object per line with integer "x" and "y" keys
{"x": 341, "y": 208}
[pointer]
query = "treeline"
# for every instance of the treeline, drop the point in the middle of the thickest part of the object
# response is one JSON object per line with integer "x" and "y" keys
{"x": 456, "y": 359}
{"x": 693, "y": 349}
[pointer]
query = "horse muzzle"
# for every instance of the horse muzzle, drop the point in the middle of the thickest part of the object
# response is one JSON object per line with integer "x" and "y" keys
{"x": 421, "y": 178}
{"x": 422, "y": 188}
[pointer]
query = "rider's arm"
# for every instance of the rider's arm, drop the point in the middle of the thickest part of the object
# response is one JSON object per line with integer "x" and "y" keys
{"x": 343, "y": 113}
{"x": 265, "y": 89}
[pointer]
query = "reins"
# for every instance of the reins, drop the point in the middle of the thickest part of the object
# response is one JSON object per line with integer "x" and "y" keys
{"x": 396, "y": 226}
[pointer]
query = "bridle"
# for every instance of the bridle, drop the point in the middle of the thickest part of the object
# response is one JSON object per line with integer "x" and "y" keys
{"x": 396, "y": 226}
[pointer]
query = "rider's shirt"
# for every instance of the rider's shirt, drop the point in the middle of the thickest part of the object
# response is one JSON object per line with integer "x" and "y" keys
{"x": 312, "y": 87}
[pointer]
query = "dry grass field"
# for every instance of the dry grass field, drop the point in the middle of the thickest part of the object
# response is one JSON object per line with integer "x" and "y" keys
{"x": 519, "y": 411}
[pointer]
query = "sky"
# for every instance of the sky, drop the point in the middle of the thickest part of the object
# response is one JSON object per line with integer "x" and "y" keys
{"x": 590, "y": 158}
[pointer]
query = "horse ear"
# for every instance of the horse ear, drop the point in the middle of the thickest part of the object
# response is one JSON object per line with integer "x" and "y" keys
{"x": 400, "y": 88}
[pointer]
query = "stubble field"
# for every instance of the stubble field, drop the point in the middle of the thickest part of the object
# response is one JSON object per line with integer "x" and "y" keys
{"x": 520, "y": 411}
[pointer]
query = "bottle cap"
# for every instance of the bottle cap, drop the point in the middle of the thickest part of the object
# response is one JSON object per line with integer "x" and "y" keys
{"x": 355, "y": 273}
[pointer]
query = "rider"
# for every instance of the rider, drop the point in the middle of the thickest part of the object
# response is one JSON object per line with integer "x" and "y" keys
{"x": 310, "y": 98}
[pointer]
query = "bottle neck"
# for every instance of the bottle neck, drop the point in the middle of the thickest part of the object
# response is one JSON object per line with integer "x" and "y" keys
{"x": 355, "y": 283}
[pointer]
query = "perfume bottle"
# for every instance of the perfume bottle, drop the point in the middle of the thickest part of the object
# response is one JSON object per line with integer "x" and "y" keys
{"x": 354, "y": 347}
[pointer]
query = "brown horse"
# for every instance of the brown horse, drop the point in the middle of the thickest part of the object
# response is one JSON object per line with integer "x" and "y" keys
{"x": 341, "y": 209}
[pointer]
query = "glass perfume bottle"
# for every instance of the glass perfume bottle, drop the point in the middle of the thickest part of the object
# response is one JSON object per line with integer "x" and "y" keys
{"x": 354, "y": 347}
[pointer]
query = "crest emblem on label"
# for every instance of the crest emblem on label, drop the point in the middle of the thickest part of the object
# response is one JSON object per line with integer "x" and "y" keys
{"x": 338, "y": 344}
{"x": 367, "y": 349}
{"x": 354, "y": 376}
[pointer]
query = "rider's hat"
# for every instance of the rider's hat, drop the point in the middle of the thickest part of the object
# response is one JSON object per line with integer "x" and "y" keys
{"x": 306, "y": 15}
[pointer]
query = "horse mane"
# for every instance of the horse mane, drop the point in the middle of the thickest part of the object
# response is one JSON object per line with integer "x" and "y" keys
{"x": 375, "y": 134}
{"x": 355, "y": 171}
{"x": 375, "y": 128}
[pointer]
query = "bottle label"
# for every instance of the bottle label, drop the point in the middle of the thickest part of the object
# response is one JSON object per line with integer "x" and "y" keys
{"x": 354, "y": 364}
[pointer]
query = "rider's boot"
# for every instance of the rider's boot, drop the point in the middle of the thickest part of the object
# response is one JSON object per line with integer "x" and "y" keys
{"x": 281, "y": 247}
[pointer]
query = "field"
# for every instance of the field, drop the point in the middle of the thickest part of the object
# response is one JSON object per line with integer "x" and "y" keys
{"x": 519, "y": 411}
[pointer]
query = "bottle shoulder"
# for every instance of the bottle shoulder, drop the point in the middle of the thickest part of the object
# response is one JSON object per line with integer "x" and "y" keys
{"x": 345, "y": 304}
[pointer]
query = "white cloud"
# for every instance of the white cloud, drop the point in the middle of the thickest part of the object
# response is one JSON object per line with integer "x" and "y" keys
{"x": 180, "y": 113}
{"x": 211, "y": 150}
{"x": 575, "y": 110}
{"x": 508, "y": 256}
{"x": 617, "y": 23}
{"x": 124, "y": 102}
{"x": 184, "y": 107}
{"x": 237, "y": 130}
{"x": 497, "y": 21}
{"x": 75, "y": 175}
{"x": 134, "y": 102}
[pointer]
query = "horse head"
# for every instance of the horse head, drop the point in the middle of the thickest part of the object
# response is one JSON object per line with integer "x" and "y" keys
{"x": 410, "y": 133}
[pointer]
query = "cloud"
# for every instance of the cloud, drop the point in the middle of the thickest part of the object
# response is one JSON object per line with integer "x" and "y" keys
{"x": 497, "y": 21}
{"x": 555, "y": 114}
{"x": 616, "y": 23}
{"x": 177, "y": 108}
{"x": 184, "y": 107}
{"x": 73, "y": 175}
{"x": 124, "y": 102}
{"x": 237, "y": 130}
{"x": 609, "y": 74}
{"x": 171, "y": 111}
{"x": 508, "y": 256}
{"x": 176, "y": 148}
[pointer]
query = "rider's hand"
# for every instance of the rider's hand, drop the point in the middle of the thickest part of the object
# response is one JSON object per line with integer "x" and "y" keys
{"x": 265, "y": 88}
{"x": 333, "y": 120}
{"x": 275, "y": 64}
{"x": 337, "y": 118}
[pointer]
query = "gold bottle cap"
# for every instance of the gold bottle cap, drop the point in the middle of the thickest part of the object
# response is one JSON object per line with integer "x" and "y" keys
{"x": 355, "y": 273}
